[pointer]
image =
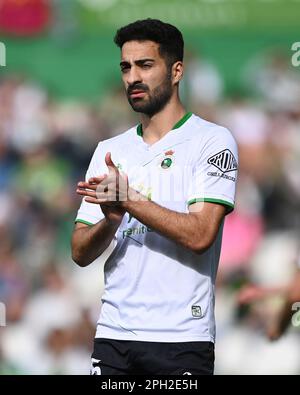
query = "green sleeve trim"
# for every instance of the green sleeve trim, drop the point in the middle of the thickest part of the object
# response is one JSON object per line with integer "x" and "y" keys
{"x": 83, "y": 222}
{"x": 229, "y": 205}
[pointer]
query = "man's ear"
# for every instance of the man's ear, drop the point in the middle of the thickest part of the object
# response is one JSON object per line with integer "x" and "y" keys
{"x": 177, "y": 72}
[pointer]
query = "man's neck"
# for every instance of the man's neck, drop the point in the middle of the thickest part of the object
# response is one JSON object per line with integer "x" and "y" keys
{"x": 157, "y": 126}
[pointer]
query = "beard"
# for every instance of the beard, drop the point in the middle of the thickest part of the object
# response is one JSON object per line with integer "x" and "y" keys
{"x": 156, "y": 99}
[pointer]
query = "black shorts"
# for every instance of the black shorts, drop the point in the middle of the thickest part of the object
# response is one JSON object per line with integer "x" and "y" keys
{"x": 121, "y": 357}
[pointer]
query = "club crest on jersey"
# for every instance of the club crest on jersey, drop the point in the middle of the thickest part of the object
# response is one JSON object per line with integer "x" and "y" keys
{"x": 167, "y": 160}
{"x": 224, "y": 161}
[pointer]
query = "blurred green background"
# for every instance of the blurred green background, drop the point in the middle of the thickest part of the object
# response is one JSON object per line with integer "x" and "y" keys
{"x": 76, "y": 56}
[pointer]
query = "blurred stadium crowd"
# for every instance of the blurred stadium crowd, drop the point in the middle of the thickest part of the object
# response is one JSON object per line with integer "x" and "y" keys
{"x": 45, "y": 147}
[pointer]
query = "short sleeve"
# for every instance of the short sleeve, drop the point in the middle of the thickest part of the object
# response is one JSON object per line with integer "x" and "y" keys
{"x": 90, "y": 213}
{"x": 214, "y": 174}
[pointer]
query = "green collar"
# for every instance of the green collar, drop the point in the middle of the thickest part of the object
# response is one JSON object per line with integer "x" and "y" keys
{"x": 177, "y": 125}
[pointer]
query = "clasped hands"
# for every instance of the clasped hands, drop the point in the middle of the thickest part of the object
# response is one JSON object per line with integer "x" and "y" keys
{"x": 110, "y": 189}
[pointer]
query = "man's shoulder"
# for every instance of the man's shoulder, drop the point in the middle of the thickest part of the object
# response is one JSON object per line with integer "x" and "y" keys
{"x": 120, "y": 138}
{"x": 205, "y": 130}
{"x": 115, "y": 144}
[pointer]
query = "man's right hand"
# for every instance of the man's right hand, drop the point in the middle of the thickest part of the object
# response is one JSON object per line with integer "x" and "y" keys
{"x": 113, "y": 213}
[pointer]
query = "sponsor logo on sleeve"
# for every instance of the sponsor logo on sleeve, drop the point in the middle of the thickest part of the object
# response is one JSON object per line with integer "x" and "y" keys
{"x": 225, "y": 162}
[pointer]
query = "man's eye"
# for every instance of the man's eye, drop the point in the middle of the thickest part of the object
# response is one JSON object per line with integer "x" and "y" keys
{"x": 124, "y": 69}
{"x": 147, "y": 66}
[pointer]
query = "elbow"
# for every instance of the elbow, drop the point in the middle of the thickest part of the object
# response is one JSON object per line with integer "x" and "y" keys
{"x": 79, "y": 259}
{"x": 200, "y": 246}
{"x": 79, "y": 262}
{"x": 200, "y": 249}
{"x": 77, "y": 253}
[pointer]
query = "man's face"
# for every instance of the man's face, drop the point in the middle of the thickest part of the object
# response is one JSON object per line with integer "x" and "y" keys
{"x": 147, "y": 80}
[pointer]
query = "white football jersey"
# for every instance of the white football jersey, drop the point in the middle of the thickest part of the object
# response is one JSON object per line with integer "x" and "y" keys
{"x": 155, "y": 289}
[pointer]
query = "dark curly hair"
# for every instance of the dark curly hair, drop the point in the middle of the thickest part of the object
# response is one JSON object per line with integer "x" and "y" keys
{"x": 168, "y": 37}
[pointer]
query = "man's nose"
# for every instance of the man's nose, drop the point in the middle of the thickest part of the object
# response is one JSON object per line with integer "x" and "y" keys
{"x": 133, "y": 76}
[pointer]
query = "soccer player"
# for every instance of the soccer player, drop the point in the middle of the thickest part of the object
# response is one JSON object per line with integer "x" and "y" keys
{"x": 159, "y": 192}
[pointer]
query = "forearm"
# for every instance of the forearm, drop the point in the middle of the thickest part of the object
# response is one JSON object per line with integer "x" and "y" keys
{"x": 89, "y": 243}
{"x": 179, "y": 227}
